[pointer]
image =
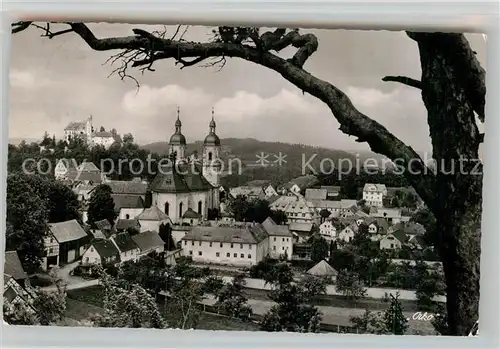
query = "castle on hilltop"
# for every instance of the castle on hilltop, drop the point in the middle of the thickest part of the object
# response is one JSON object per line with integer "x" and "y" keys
{"x": 85, "y": 130}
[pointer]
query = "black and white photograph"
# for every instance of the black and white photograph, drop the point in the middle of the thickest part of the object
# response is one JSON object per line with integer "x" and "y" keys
{"x": 244, "y": 179}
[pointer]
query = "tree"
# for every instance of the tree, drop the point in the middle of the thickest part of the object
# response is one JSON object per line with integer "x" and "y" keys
{"x": 101, "y": 205}
{"x": 313, "y": 286}
{"x": 239, "y": 207}
{"x": 324, "y": 214}
{"x": 232, "y": 301}
{"x": 291, "y": 313}
{"x": 369, "y": 322}
{"x": 453, "y": 89}
{"x": 27, "y": 218}
{"x": 102, "y": 129}
{"x": 165, "y": 232}
{"x": 131, "y": 307}
{"x": 319, "y": 249}
{"x": 63, "y": 203}
{"x": 350, "y": 285}
{"x": 394, "y": 319}
{"x": 279, "y": 217}
{"x": 128, "y": 138}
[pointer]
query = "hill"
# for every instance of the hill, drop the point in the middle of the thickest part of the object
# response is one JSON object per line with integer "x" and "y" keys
{"x": 249, "y": 151}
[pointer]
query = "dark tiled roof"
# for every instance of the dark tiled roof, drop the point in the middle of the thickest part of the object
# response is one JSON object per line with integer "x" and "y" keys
{"x": 401, "y": 236}
{"x": 106, "y": 248}
{"x": 124, "y": 224}
{"x": 124, "y": 242}
{"x": 238, "y": 235}
{"x": 67, "y": 231}
{"x": 128, "y": 187}
{"x": 103, "y": 224}
{"x": 182, "y": 178}
{"x": 191, "y": 214}
{"x": 152, "y": 213}
{"x": 148, "y": 240}
{"x": 88, "y": 176}
{"x": 103, "y": 134}
{"x": 127, "y": 201}
{"x": 274, "y": 229}
{"x": 303, "y": 227}
{"x": 75, "y": 126}
{"x": 13, "y": 266}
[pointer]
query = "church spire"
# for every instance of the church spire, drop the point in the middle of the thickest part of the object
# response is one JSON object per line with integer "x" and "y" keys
{"x": 212, "y": 123}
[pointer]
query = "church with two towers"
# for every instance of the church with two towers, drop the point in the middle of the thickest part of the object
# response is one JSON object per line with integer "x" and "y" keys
{"x": 188, "y": 187}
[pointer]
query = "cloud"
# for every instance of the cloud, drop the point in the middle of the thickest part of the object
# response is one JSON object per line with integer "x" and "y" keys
{"x": 150, "y": 101}
{"x": 27, "y": 79}
{"x": 244, "y": 105}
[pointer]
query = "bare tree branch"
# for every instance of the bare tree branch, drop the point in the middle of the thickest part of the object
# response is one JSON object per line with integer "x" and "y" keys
{"x": 145, "y": 48}
{"x": 20, "y": 26}
{"x": 404, "y": 80}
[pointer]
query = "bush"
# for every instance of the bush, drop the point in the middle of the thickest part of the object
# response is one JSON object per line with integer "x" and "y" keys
{"x": 260, "y": 270}
{"x": 37, "y": 281}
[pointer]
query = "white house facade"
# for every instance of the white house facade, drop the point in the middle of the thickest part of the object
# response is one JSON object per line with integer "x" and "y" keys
{"x": 373, "y": 194}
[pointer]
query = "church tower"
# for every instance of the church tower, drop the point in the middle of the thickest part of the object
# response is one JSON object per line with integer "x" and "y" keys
{"x": 211, "y": 156}
{"x": 177, "y": 142}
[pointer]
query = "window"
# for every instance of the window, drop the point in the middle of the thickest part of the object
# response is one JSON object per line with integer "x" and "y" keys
{"x": 242, "y": 255}
{"x": 274, "y": 239}
{"x": 167, "y": 208}
{"x": 86, "y": 259}
{"x": 180, "y": 210}
{"x": 249, "y": 256}
{"x": 274, "y": 248}
{"x": 191, "y": 221}
{"x": 392, "y": 245}
{"x": 283, "y": 239}
{"x": 185, "y": 242}
{"x": 91, "y": 249}
{"x": 228, "y": 255}
{"x": 221, "y": 244}
{"x": 199, "y": 253}
{"x": 192, "y": 243}
{"x": 217, "y": 254}
{"x": 283, "y": 248}
{"x": 50, "y": 250}
{"x": 200, "y": 243}
{"x": 190, "y": 253}
{"x": 235, "y": 255}
{"x": 127, "y": 216}
{"x": 241, "y": 246}
{"x": 231, "y": 245}
{"x": 210, "y": 156}
{"x": 249, "y": 247}
{"x": 210, "y": 244}
{"x": 199, "y": 207}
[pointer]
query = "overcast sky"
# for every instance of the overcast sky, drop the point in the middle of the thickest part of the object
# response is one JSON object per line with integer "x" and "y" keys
{"x": 60, "y": 80}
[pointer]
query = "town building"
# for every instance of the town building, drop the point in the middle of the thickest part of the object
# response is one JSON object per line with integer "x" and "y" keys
{"x": 65, "y": 243}
{"x": 129, "y": 251}
{"x": 84, "y": 130}
{"x": 373, "y": 194}
{"x": 242, "y": 246}
{"x": 151, "y": 218}
{"x": 148, "y": 242}
{"x": 101, "y": 252}
{"x": 280, "y": 239}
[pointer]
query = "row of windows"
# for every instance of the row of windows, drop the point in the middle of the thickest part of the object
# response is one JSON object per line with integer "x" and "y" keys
{"x": 220, "y": 244}
{"x": 282, "y": 248}
{"x": 167, "y": 208}
{"x": 228, "y": 255}
{"x": 283, "y": 239}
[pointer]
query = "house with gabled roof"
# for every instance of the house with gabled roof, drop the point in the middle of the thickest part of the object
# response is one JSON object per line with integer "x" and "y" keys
{"x": 128, "y": 206}
{"x": 151, "y": 218}
{"x": 191, "y": 217}
{"x": 301, "y": 231}
{"x": 123, "y": 225}
{"x": 148, "y": 242}
{"x": 348, "y": 232}
{"x": 14, "y": 267}
{"x": 101, "y": 252}
{"x": 103, "y": 229}
{"x": 328, "y": 229}
{"x": 66, "y": 241}
{"x": 65, "y": 169}
{"x": 394, "y": 240}
{"x": 280, "y": 239}
{"x": 129, "y": 251}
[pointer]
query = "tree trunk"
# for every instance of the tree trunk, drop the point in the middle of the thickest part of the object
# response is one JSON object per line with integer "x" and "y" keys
{"x": 457, "y": 207}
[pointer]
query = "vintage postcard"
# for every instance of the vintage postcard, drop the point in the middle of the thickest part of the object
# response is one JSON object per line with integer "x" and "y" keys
{"x": 246, "y": 179}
